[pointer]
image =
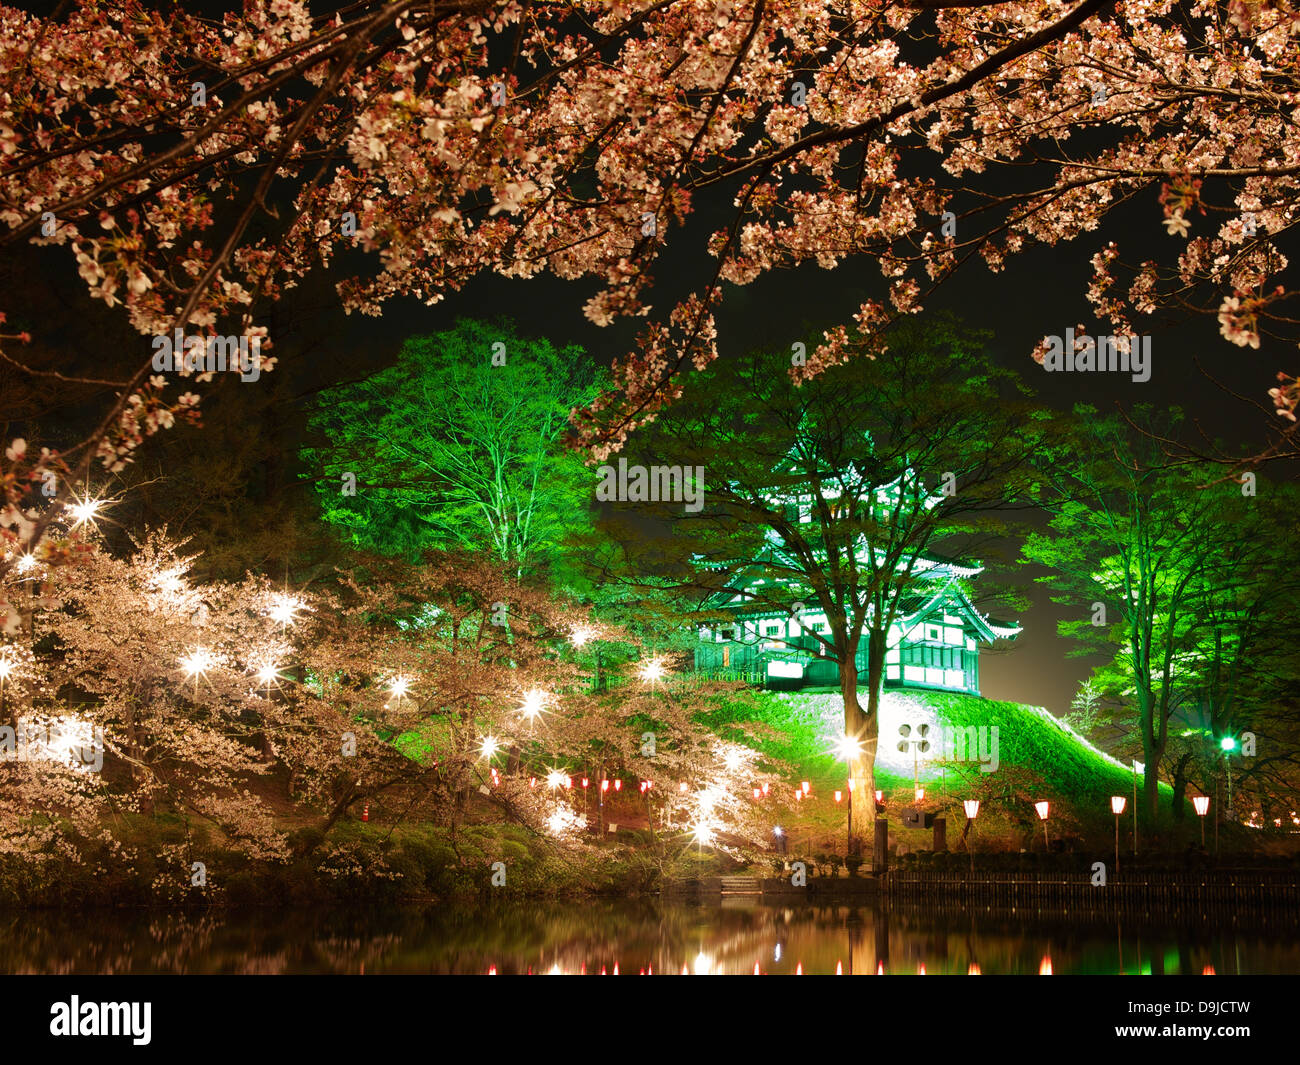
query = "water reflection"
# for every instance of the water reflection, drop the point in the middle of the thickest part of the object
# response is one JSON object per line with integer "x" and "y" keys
{"x": 635, "y": 938}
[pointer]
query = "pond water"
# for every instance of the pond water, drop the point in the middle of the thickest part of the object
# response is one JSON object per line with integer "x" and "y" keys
{"x": 631, "y": 937}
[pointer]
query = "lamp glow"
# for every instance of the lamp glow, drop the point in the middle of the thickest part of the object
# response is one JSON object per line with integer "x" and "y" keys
{"x": 489, "y": 746}
{"x": 1202, "y": 804}
{"x": 284, "y": 610}
{"x": 1117, "y": 804}
{"x": 197, "y": 662}
{"x": 398, "y": 686}
{"x": 556, "y": 779}
{"x": 972, "y": 807}
{"x": 1042, "y": 808}
{"x": 534, "y": 704}
{"x": 848, "y": 747}
{"x": 85, "y": 511}
{"x": 652, "y": 671}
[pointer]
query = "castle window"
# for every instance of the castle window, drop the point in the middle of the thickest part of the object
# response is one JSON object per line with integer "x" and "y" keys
{"x": 773, "y": 629}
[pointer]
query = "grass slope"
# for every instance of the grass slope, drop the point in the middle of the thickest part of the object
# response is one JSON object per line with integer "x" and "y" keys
{"x": 1039, "y": 757}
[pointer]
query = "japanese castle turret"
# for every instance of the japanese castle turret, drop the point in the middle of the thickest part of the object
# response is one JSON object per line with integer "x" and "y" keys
{"x": 934, "y": 641}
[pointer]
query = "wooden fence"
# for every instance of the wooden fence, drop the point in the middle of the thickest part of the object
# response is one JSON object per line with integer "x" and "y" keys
{"x": 1221, "y": 891}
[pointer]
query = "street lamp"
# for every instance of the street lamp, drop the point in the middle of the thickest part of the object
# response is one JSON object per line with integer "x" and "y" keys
{"x": 1117, "y": 804}
{"x": 972, "y": 808}
{"x": 920, "y": 745}
{"x": 1202, "y": 805}
{"x": 1227, "y": 745}
{"x": 1043, "y": 808}
{"x": 849, "y": 748}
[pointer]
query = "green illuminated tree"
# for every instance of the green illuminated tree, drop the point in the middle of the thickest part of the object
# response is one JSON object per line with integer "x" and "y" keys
{"x": 457, "y": 447}
{"x": 1242, "y": 648}
{"x": 920, "y": 447}
{"x": 1137, "y": 547}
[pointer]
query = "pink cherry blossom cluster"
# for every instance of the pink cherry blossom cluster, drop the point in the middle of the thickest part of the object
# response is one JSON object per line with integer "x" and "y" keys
{"x": 196, "y": 169}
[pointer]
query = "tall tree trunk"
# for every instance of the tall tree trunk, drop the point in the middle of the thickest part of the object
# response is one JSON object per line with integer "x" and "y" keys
{"x": 864, "y": 726}
{"x": 1180, "y": 787}
{"x": 1152, "y": 752}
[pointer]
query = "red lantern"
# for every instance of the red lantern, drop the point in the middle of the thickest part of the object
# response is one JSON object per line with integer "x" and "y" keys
{"x": 585, "y": 782}
{"x": 757, "y": 793}
{"x": 765, "y": 788}
{"x": 365, "y": 812}
{"x": 532, "y": 782}
{"x": 618, "y": 785}
{"x": 604, "y": 785}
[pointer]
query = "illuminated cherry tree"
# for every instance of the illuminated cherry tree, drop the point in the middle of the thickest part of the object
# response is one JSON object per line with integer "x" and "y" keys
{"x": 443, "y": 692}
